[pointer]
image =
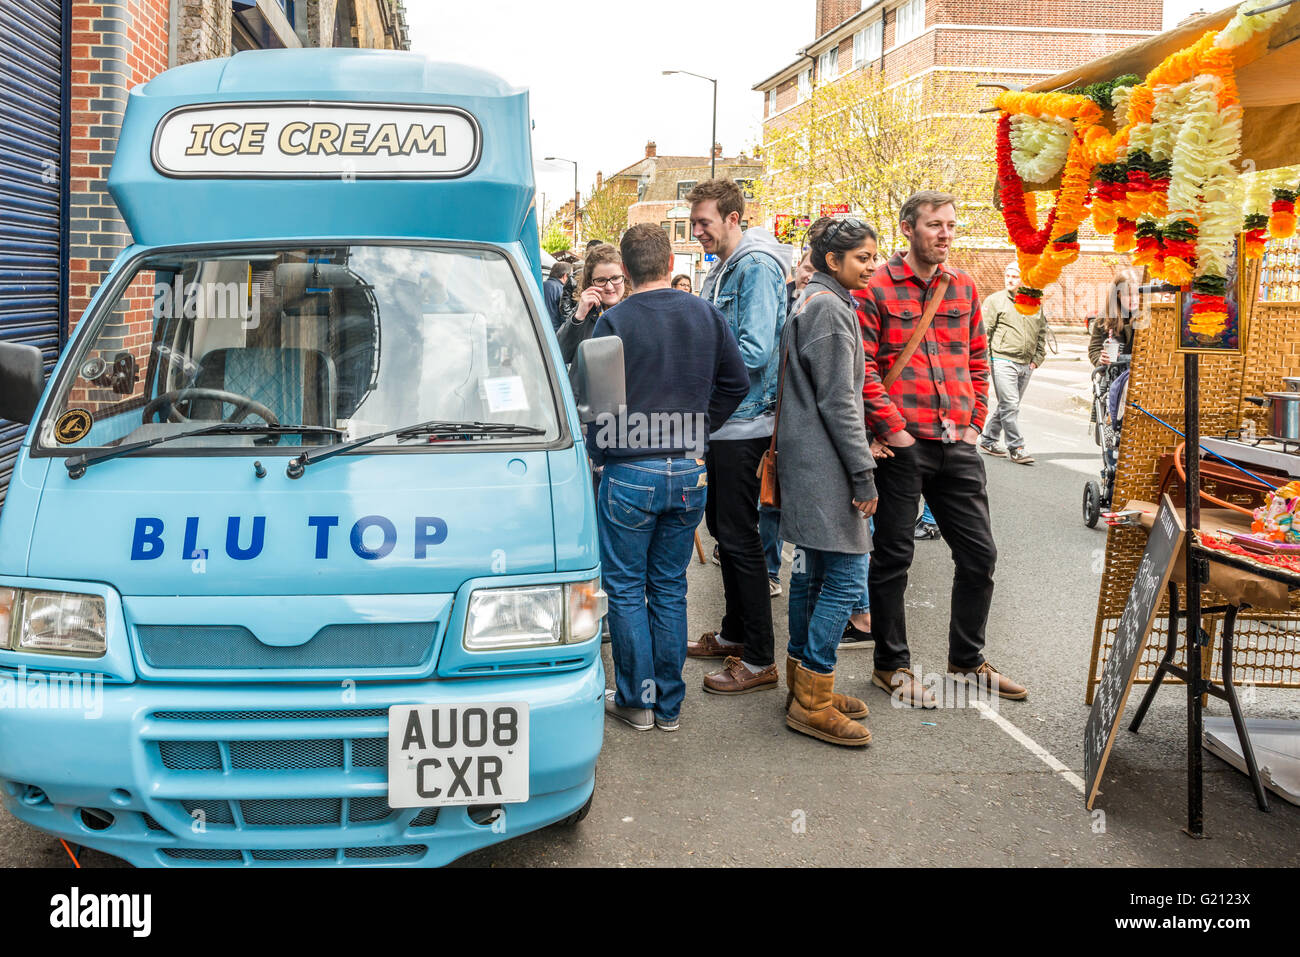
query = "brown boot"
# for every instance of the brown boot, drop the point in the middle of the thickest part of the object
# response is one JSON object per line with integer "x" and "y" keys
{"x": 847, "y": 705}
{"x": 812, "y": 713}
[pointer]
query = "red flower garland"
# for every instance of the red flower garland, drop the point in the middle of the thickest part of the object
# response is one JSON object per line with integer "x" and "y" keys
{"x": 1026, "y": 238}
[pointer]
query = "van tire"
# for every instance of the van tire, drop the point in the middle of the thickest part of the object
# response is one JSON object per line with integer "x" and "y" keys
{"x": 580, "y": 815}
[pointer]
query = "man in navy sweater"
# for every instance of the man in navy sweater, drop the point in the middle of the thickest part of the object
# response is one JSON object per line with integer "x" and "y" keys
{"x": 685, "y": 375}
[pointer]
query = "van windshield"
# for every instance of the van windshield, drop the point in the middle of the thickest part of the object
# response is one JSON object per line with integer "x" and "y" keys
{"x": 346, "y": 340}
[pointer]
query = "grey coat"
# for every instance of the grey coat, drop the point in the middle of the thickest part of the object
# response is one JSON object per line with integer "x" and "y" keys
{"x": 823, "y": 454}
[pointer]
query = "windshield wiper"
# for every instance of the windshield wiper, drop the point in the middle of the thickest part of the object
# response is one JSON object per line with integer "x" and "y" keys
{"x": 434, "y": 427}
{"x": 78, "y": 464}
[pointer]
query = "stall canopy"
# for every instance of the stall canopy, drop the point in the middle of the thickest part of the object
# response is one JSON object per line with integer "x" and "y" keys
{"x": 1268, "y": 78}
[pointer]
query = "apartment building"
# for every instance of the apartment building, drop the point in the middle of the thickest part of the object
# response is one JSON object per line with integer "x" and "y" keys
{"x": 944, "y": 48}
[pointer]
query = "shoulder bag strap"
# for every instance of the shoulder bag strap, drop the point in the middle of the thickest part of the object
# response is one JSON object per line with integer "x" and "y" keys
{"x": 780, "y": 379}
{"x": 931, "y": 307}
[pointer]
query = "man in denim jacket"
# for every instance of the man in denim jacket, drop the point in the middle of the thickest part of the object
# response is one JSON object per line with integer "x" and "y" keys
{"x": 747, "y": 285}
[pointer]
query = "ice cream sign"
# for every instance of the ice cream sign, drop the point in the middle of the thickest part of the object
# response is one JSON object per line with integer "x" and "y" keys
{"x": 314, "y": 140}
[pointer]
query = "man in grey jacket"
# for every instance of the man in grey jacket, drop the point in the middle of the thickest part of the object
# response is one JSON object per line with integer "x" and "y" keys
{"x": 747, "y": 285}
{"x": 1017, "y": 346}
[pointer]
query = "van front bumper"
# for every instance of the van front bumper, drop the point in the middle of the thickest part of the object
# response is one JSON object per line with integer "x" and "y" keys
{"x": 306, "y": 782}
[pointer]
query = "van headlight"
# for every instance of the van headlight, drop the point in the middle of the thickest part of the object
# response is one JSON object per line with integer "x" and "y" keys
{"x": 533, "y": 616}
{"x": 52, "y": 622}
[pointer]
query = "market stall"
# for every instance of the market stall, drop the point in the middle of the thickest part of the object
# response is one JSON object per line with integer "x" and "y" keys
{"x": 1182, "y": 149}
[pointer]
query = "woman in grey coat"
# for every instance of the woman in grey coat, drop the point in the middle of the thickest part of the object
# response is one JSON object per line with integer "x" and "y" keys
{"x": 825, "y": 469}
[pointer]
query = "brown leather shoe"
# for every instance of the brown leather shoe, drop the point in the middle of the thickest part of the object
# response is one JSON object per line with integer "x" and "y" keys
{"x": 709, "y": 647}
{"x": 903, "y": 687}
{"x": 735, "y": 678}
{"x": 812, "y": 713}
{"x": 847, "y": 705}
{"x": 987, "y": 676}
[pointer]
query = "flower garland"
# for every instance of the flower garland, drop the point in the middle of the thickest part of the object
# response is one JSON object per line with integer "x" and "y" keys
{"x": 1039, "y": 146}
{"x": 1281, "y": 224}
{"x": 1167, "y": 184}
{"x": 1044, "y": 252}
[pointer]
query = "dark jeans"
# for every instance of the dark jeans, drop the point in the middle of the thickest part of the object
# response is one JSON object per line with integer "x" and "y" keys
{"x": 951, "y": 477}
{"x": 732, "y": 518}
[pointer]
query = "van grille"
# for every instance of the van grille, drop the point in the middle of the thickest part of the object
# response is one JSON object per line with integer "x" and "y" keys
{"x": 346, "y": 818}
{"x": 223, "y": 647}
{"x": 279, "y": 856}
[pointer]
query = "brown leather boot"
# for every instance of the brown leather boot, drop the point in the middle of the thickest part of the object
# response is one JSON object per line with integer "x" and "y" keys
{"x": 847, "y": 705}
{"x": 812, "y": 713}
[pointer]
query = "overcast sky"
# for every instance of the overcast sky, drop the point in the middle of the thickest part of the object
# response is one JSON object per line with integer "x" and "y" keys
{"x": 595, "y": 70}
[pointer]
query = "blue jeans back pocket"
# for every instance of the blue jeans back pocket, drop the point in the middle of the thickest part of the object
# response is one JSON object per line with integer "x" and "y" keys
{"x": 629, "y": 505}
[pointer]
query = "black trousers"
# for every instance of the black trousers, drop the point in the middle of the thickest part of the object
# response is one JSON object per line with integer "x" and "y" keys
{"x": 951, "y": 477}
{"x": 731, "y": 515}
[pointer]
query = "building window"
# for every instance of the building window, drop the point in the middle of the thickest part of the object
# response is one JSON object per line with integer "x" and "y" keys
{"x": 828, "y": 65}
{"x": 771, "y": 101}
{"x": 684, "y": 186}
{"x": 746, "y": 187}
{"x": 910, "y": 22}
{"x": 680, "y": 230}
{"x": 668, "y": 228}
{"x": 868, "y": 43}
{"x": 805, "y": 84}
{"x": 744, "y": 225}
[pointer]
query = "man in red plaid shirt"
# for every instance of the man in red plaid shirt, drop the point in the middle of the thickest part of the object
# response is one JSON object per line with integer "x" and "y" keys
{"x": 927, "y": 425}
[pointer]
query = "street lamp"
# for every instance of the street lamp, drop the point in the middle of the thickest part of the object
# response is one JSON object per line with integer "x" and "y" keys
{"x": 561, "y": 159}
{"x": 713, "y": 160}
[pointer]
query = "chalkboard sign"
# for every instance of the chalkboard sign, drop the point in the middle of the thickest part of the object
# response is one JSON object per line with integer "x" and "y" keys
{"x": 1130, "y": 638}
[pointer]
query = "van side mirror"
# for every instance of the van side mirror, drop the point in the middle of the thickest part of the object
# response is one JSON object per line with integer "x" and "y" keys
{"x": 22, "y": 380}
{"x": 599, "y": 384}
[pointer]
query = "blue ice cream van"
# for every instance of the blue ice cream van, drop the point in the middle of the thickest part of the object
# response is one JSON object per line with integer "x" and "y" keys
{"x": 298, "y": 563}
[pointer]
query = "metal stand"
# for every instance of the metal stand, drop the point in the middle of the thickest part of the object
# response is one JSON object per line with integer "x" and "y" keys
{"x": 1197, "y": 573}
{"x": 1192, "y": 430}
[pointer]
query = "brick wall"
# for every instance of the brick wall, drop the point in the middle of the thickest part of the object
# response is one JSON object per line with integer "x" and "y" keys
{"x": 831, "y": 13}
{"x": 203, "y": 30}
{"x": 115, "y": 45}
{"x": 1135, "y": 14}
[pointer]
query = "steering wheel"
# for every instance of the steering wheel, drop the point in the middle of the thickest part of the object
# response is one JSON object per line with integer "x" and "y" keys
{"x": 242, "y": 403}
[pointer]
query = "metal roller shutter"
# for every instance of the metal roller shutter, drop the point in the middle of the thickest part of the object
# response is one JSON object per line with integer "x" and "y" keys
{"x": 33, "y": 102}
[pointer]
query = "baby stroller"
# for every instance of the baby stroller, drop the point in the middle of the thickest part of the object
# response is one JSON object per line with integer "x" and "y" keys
{"x": 1105, "y": 431}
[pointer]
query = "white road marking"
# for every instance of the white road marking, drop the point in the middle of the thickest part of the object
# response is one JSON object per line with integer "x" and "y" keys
{"x": 1030, "y": 745}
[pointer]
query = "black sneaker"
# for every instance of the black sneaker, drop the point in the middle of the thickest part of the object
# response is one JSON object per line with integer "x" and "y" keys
{"x": 853, "y": 637}
{"x": 924, "y": 530}
{"x": 717, "y": 558}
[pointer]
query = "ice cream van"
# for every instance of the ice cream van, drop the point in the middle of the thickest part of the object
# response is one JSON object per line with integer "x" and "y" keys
{"x": 298, "y": 563}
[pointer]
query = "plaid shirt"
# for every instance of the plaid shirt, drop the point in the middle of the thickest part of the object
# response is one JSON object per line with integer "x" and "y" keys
{"x": 948, "y": 374}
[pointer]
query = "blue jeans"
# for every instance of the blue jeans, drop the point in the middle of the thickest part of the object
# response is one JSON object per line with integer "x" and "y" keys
{"x": 926, "y": 515}
{"x": 817, "y": 619}
{"x": 863, "y": 604}
{"x": 647, "y": 512}
{"x": 769, "y": 530}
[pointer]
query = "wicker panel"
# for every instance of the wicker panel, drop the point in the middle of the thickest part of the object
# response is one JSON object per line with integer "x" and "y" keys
{"x": 1267, "y": 655}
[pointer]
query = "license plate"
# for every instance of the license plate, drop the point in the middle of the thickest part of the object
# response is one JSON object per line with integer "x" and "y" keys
{"x": 448, "y": 754}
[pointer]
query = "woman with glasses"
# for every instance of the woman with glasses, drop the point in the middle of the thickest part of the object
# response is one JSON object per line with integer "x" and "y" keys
{"x": 682, "y": 282}
{"x": 603, "y": 286}
{"x": 826, "y": 472}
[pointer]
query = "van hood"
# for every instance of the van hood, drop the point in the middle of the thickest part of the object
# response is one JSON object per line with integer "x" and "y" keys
{"x": 395, "y": 523}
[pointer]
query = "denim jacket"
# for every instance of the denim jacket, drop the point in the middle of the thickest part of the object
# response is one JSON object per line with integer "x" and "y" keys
{"x": 749, "y": 290}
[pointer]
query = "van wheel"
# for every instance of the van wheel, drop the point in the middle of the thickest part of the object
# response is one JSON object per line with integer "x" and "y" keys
{"x": 580, "y": 815}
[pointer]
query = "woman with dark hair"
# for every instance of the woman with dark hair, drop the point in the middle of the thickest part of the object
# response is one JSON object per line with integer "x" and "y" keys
{"x": 825, "y": 468}
{"x": 603, "y": 286}
{"x": 682, "y": 281}
{"x": 1123, "y": 305}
